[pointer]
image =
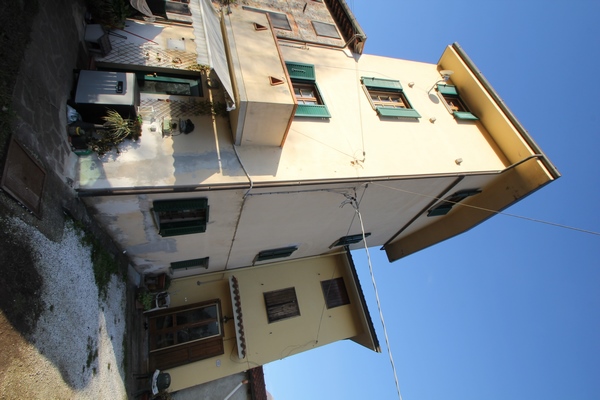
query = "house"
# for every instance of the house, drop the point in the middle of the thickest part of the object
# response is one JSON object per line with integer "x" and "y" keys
{"x": 231, "y": 321}
{"x": 302, "y": 146}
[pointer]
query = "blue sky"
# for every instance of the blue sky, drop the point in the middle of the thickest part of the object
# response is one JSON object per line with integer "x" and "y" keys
{"x": 510, "y": 309}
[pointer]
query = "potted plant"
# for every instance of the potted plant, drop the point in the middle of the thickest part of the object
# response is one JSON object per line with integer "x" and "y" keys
{"x": 115, "y": 130}
{"x": 145, "y": 299}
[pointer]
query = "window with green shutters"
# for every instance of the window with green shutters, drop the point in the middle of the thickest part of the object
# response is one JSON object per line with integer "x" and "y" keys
{"x": 454, "y": 103}
{"x": 276, "y": 253}
{"x": 444, "y": 207}
{"x": 310, "y": 101}
{"x": 388, "y": 98}
{"x": 189, "y": 264}
{"x": 181, "y": 217}
{"x": 348, "y": 240}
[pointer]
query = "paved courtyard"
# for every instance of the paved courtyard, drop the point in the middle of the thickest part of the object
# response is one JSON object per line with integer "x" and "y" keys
{"x": 39, "y": 101}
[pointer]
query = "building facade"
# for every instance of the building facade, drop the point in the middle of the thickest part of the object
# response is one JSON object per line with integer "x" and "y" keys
{"x": 321, "y": 146}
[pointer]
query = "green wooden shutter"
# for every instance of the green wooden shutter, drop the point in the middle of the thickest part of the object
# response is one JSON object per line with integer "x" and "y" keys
{"x": 449, "y": 90}
{"x": 465, "y": 115}
{"x": 398, "y": 112}
{"x": 194, "y": 263}
{"x": 276, "y": 253}
{"x": 348, "y": 240}
{"x": 312, "y": 110}
{"x": 182, "y": 227}
{"x": 301, "y": 71}
{"x": 382, "y": 84}
{"x": 180, "y": 205}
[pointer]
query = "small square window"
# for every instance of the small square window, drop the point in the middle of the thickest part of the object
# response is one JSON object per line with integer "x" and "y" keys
{"x": 454, "y": 103}
{"x": 326, "y": 30}
{"x": 281, "y": 304}
{"x": 335, "y": 292}
{"x": 387, "y": 97}
{"x": 306, "y": 94}
{"x": 181, "y": 217}
{"x": 279, "y": 20}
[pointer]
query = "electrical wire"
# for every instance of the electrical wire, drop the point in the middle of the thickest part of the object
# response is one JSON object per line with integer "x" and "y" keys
{"x": 540, "y": 221}
{"x": 387, "y": 341}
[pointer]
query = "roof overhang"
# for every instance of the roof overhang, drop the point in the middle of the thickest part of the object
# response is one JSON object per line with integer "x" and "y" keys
{"x": 369, "y": 337}
{"x": 528, "y": 171}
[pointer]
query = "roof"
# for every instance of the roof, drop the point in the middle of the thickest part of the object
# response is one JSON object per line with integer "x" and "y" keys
{"x": 258, "y": 388}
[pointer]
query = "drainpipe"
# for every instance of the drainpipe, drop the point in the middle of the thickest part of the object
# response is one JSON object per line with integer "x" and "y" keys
{"x": 245, "y": 381}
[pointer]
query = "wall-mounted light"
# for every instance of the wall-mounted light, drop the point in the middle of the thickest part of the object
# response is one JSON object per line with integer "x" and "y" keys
{"x": 445, "y": 76}
{"x": 411, "y": 84}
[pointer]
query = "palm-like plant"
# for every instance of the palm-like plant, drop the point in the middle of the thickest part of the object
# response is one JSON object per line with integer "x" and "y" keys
{"x": 115, "y": 130}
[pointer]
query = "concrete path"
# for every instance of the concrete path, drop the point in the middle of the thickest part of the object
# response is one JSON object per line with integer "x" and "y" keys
{"x": 45, "y": 81}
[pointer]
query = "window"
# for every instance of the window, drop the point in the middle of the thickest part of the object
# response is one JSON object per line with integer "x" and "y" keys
{"x": 310, "y": 102}
{"x": 387, "y": 98}
{"x": 189, "y": 264}
{"x": 446, "y": 205}
{"x": 281, "y": 304}
{"x": 335, "y": 292}
{"x": 186, "y": 334}
{"x": 276, "y": 253}
{"x": 181, "y": 217}
{"x": 324, "y": 29}
{"x": 279, "y": 20}
{"x": 348, "y": 240}
{"x": 454, "y": 103}
{"x": 170, "y": 85}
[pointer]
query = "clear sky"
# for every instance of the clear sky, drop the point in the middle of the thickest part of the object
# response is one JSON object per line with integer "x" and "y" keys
{"x": 510, "y": 309}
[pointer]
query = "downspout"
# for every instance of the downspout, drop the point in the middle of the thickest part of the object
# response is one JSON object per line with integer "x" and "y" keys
{"x": 237, "y": 224}
{"x": 239, "y": 385}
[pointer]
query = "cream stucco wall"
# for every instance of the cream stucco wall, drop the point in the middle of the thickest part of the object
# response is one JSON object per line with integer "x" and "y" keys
{"x": 316, "y": 326}
{"x": 265, "y": 196}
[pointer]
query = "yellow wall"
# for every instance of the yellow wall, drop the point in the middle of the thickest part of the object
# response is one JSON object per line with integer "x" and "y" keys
{"x": 266, "y": 342}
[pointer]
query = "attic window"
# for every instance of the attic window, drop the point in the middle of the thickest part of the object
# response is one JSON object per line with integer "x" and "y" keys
{"x": 324, "y": 29}
{"x": 454, "y": 103}
{"x": 276, "y": 253}
{"x": 446, "y": 205}
{"x": 279, "y": 20}
{"x": 348, "y": 240}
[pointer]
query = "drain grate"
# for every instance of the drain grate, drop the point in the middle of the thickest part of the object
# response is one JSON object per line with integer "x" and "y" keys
{"x": 23, "y": 178}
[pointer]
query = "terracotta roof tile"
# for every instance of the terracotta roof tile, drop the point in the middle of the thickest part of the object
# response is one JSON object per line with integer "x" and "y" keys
{"x": 258, "y": 388}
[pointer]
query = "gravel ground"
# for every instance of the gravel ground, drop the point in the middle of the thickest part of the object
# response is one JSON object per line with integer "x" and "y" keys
{"x": 76, "y": 349}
